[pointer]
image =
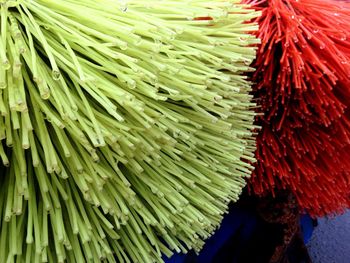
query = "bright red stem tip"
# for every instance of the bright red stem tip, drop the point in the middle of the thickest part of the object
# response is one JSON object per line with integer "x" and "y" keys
{"x": 303, "y": 86}
{"x": 203, "y": 18}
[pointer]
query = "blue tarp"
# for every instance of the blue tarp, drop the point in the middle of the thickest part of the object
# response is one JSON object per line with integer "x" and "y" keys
{"x": 241, "y": 223}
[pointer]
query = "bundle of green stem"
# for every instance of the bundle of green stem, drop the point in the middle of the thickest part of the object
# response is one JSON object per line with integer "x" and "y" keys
{"x": 126, "y": 128}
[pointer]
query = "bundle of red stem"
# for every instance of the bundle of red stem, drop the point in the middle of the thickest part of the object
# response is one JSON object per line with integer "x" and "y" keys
{"x": 303, "y": 86}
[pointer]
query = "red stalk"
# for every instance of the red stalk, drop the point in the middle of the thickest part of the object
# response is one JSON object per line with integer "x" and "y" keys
{"x": 303, "y": 87}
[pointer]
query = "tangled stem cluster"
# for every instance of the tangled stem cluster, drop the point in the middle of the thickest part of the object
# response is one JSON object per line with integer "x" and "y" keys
{"x": 125, "y": 128}
{"x": 303, "y": 87}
